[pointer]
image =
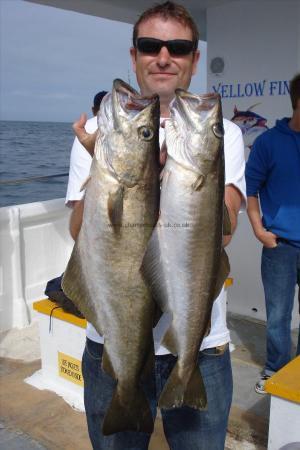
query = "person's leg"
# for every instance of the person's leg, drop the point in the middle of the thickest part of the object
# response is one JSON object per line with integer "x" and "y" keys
{"x": 279, "y": 277}
{"x": 98, "y": 391}
{"x": 186, "y": 428}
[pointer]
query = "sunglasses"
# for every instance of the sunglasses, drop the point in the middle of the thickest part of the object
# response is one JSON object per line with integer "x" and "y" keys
{"x": 176, "y": 47}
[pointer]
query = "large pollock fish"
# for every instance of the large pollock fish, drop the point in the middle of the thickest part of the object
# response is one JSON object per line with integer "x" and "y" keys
{"x": 185, "y": 264}
{"x": 103, "y": 276}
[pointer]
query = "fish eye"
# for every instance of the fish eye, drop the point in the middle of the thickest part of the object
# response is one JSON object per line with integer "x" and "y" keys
{"x": 218, "y": 130}
{"x": 146, "y": 133}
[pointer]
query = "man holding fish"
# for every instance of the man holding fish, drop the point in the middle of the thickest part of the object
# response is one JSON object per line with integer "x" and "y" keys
{"x": 194, "y": 387}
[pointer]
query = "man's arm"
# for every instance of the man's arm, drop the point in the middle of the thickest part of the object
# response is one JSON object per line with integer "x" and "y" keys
{"x": 267, "y": 238}
{"x": 233, "y": 201}
{"x": 257, "y": 169}
{"x": 76, "y": 218}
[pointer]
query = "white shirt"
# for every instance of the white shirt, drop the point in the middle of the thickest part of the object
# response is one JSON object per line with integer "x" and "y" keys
{"x": 234, "y": 174}
{"x": 80, "y": 163}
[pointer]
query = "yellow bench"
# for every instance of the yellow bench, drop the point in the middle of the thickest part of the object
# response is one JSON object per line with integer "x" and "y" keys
{"x": 62, "y": 341}
{"x": 50, "y": 309}
{"x": 286, "y": 382}
{"x": 284, "y": 425}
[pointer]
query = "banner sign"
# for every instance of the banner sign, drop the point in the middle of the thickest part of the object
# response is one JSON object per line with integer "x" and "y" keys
{"x": 252, "y": 89}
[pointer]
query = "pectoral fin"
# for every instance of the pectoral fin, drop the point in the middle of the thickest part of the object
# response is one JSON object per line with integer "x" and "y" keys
{"x": 198, "y": 183}
{"x": 115, "y": 207}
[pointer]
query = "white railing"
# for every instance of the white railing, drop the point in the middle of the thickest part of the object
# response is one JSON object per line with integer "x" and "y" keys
{"x": 35, "y": 247}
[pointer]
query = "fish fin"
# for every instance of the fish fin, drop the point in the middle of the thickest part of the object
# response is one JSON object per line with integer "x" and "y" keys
{"x": 196, "y": 186}
{"x": 74, "y": 287}
{"x": 223, "y": 273}
{"x": 128, "y": 415}
{"x": 178, "y": 393}
{"x": 152, "y": 272}
{"x": 226, "y": 222}
{"x": 106, "y": 364}
{"x": 85, "y": 183}
{"x": 170, "y": 342}
{"x": 115, "y": 207}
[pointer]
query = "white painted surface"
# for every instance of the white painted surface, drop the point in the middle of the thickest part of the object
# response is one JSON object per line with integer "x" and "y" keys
{"x": 74, "y": 399}
{"x": 284, "y": 427}
{"x": 62, "y": 337}
{"x": 259, "y": 41}
{"x": 35, "y": 247}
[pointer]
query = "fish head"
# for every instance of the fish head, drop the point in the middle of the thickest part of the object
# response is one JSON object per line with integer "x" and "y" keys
{"x": 199, "y": 120}
{"x": 132, "y": 145}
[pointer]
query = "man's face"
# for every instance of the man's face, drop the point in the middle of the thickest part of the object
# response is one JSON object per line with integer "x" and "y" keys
{"x": 163, "y": 73}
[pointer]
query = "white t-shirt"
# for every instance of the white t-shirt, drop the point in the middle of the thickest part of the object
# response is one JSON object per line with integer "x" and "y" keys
{"x": 234, "y": 174}
{"x": 80, "y": 163}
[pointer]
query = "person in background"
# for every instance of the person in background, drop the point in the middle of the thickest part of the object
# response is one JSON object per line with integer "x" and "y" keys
{"x": 80, "y": 161}
{"x": 163, "y": 63}
{"x": 273, "y": 183}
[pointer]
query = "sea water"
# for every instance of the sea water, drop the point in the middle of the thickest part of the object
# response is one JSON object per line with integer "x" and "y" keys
{"x": 34, "y": 149}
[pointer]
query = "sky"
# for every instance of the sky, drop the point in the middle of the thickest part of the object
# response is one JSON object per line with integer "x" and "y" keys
{"x": 52, "y": 62}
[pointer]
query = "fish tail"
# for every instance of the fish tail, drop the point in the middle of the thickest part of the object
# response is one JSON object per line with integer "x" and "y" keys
{"x": 131, "y": 415}
{"x": 177, "y": 392}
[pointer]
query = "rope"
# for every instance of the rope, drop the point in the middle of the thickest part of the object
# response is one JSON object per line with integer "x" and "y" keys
{"x": 50, "y": 318}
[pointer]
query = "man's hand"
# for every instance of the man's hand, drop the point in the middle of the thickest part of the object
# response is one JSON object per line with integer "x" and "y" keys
{"x": 86, "y": 139}
{"x": 267, "y": 238}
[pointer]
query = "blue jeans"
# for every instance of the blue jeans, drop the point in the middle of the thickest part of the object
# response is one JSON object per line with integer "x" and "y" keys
{"x": 185, "y": 428}
{"x": 280, "y": 267}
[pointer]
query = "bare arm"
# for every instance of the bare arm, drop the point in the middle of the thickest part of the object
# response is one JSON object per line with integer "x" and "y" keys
{"x": 233, "y": 201}
{"x": 76, "y": 218}
{"x": 267, "y": 238}
{"x": 86, "y": 139}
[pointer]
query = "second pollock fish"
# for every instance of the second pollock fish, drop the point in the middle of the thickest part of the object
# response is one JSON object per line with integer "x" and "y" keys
{"x": 185, "y": 264}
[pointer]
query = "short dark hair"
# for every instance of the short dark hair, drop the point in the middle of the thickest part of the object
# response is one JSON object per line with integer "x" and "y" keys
{"x": 98, "y": 98}
{"x": 168, "y": 10}
{"x": 295, "y": 90}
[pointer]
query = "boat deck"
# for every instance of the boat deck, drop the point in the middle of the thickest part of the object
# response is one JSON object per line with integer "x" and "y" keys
{"x": 33, "y": 419}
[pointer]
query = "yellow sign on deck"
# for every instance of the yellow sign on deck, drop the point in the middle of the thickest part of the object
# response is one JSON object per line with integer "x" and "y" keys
{"x": 70, "y": 368}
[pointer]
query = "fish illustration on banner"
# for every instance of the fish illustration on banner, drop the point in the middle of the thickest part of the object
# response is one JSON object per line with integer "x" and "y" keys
{"x": 250, "y": 123}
